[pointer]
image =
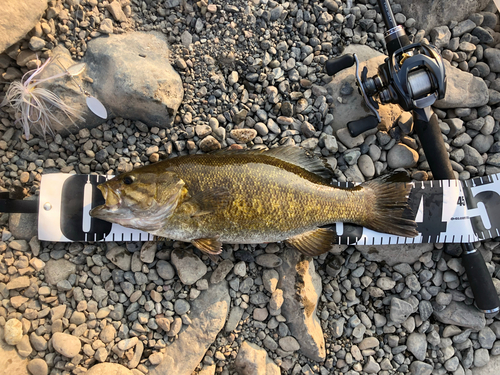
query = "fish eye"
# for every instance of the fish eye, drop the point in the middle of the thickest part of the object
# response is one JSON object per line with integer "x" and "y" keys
{"x": 128, "y": 180}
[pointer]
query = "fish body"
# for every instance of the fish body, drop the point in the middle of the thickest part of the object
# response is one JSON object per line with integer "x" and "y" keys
{"x": 281, "y": 194}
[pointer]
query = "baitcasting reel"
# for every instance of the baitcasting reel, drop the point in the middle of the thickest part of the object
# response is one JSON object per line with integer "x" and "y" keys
{"x": 413, "y": 76}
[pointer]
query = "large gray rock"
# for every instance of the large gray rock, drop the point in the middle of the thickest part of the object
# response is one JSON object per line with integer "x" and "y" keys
{"x": 352, "y": 107}
{"x": 131, "y": 76}
{"x": 134, "y": 78}
{"x": 394, "y": 254}
{"x": 17, "y": 18}
{"x": 432, "y": 13}
{"x": 208, "y": 316}
{"x": 253, "y": 360}
{"x": 301, "y": 287}
{"x": 462, "y": 89}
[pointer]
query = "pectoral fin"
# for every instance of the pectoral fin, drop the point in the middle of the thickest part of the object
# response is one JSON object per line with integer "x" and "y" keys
{"x": 210, "y": 246}
{"x": 208, "y": 201}
{"x": 315, "y": 242}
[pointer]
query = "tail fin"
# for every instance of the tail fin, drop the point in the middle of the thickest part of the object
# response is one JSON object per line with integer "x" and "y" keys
{"x": 391, "y": 213}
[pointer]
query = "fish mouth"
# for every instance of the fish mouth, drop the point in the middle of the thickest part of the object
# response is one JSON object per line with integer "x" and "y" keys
{"x": 112, "y": 202}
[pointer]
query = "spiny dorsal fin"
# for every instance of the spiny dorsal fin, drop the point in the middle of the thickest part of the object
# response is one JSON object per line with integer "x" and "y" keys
{"x": 291, "y": 154}
{"x": 315, "y": 242}
{"x": 302, "y": 158}
{"x": 210, "y": 246}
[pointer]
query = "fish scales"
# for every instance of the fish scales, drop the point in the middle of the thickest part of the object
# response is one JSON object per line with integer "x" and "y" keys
{"x": 271, "y": 200}
{"x": 250, "y": 197}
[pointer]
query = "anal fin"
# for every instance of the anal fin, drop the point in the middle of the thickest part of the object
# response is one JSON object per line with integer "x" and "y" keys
{"x": 314, "y": 242}
{"x": 210, "y": 246}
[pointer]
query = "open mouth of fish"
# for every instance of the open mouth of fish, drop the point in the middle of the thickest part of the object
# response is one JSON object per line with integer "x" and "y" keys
{"x": 112, "y": 200}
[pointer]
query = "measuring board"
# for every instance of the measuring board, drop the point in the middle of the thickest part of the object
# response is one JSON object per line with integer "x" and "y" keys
{"x": 447, "y": 211}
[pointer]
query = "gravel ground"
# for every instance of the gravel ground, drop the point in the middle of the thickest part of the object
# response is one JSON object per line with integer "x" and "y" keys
{"x": 253, "y": 75}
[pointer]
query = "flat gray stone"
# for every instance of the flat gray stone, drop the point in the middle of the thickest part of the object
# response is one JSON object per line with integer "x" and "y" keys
{"x": 222, "y": 270}
{"x": 417, "y": 345}
{"x": 234, "y": 318}
{"x": 119, "y": 256}
{"x": 58, "y": 270}
{"x": 402, "y": 156}
{"x": 421, "y": 368}
{"x": 10, "y": 361}
{"x": 491, "y": 368}
{"x": 371, "y": 366}
{"x": 289, "y": 344}
{"x": 440, "y": 36}
{"x": 165, "y": 270}
{"x": 38, "y": 366}
{"x": 24, "y": 15}
{"x": 462, "y": 89}
{"x": 400, "y": 310}
{"x": 148, "y": 251}
{"x": 431, "y": 13}
{"x": 352, "y": 106}
{"x": 481, "y": 357}
{"x": 66, "y": 344}
{"x": 462, "y": 315}
{"x": 253, "y": 360}
{"x": 301, "y": 287}
{"x": 492, "y": 55}
{"x": 109, "y": 369}
{"x": 189, "y": 267}
{"x": 208, "y": 316}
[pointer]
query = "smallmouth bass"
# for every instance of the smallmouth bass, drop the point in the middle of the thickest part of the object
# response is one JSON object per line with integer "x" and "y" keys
{"x": 250, "y": 196}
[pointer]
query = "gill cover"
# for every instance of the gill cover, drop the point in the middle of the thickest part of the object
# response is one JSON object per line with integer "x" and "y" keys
{"x": 140, "y": 200}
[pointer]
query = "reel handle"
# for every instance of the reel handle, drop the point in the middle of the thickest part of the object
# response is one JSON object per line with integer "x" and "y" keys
{"x": 363, "y": 124}
{"x": 335, "y": 65}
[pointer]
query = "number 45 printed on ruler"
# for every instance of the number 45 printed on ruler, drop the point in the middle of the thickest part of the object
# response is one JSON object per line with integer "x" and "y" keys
{"x": 454, "y": 211}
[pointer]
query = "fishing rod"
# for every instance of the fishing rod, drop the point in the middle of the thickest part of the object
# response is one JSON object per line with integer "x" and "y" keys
{"x": 413, "y": 76}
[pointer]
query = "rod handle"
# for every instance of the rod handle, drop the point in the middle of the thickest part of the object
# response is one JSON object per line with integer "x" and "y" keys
{"x": 485, "y": 294}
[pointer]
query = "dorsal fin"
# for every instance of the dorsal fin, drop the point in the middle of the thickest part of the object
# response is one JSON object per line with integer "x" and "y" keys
{"x": 302, "y": 158}
{"x": 291, "y": 154}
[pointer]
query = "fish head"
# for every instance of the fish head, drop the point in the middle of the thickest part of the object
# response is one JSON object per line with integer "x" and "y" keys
{"x": 140, "y": 200}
